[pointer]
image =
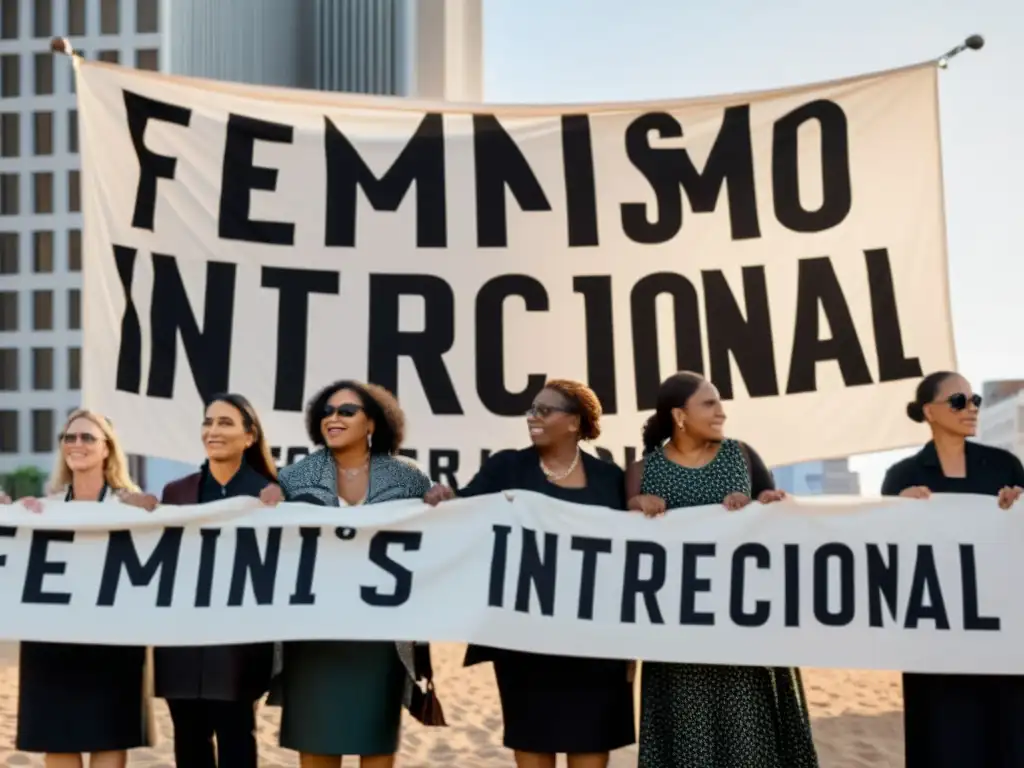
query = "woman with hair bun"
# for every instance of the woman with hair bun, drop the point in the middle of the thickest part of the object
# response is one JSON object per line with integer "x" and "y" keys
{"x": 952, "y": 721}
{"x": 700, "y": 714}
{"x": 582, "y": 707}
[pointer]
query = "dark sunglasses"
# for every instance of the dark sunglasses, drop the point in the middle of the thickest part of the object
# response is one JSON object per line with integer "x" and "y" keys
{"x": 70, "y": 438}
{"x": 543, "y": 411}
{"x": 959, "y": 401}
{"x": 345, "y": 410}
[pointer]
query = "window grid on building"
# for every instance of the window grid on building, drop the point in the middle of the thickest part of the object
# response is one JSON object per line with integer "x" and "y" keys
{"x": 9, "y": 369}
{"x": 42, "y": 252}
{"x": 43, "y": 429}
{"x": 42, "y": 369}
{"x": 9, "y": 258}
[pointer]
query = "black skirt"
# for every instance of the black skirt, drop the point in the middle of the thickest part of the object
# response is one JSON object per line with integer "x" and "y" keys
{"x": 954, "y": 721}
{"x": 561, "y": 704}
{"x": 80, "y": 698}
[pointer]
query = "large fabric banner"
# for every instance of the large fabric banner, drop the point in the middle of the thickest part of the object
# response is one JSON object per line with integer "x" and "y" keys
{"x": 788, "y": 244}
{"x": 896, "y": 584}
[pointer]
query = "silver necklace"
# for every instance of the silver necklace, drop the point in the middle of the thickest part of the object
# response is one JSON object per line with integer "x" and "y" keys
{"x": 350, "y": 473}
{"x": 562, "y": 475}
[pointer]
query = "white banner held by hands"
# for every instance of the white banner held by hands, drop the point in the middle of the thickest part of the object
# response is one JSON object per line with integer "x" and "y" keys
{"x": 927, "y": 586}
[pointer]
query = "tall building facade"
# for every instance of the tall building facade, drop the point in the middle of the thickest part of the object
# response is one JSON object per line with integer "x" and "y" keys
{"x": 421, "y": 48}
{"x": 832, "y": 478}
{"x": 1001, "y": 419}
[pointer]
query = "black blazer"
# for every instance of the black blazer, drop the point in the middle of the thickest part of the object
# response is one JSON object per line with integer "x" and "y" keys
{"x": 989, "y": 470}
{"x": 218, "y": 672}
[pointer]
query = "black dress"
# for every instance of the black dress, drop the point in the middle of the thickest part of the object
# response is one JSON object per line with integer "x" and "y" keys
{"x": 960, "y": 721}
{"x": 75, "y": 698}
{"x": 555, "y": 704}
{"x": 212, "y": 690}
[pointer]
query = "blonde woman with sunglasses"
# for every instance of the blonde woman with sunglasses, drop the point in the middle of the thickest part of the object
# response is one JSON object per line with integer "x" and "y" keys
{"x": 76, "y": 699}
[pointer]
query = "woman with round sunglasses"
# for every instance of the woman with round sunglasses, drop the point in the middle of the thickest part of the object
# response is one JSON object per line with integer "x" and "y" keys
{"x": 582, "y": 707}
{"x": 76, "y": 699}
{"x": 345, "y": 697}
{"x": 951, "y": 721}
{"x": 212, "y": 691}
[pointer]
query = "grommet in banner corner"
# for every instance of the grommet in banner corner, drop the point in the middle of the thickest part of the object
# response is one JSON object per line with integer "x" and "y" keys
{"x": 345, "y": 533}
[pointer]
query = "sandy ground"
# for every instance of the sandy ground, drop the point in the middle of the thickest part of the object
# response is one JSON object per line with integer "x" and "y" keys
{"x": 856, "y": 716}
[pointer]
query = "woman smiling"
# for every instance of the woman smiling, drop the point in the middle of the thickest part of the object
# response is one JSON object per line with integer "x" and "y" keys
{"x": 76, "y": 698}
{"x": 212, "y": 691}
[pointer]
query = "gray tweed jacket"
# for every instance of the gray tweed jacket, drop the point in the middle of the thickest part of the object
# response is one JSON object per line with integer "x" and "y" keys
{"x": 314, "y": 480}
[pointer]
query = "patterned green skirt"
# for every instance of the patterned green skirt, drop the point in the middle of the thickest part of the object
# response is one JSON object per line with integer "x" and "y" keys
{"x": 701, "y": 716}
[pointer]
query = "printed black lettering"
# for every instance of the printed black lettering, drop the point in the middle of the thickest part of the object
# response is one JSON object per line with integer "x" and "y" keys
{"x": 500, "y": 165}
{"x": 633, "y": 585}
{"x": 250, "y": 566}
{"x": 303, "y": 594}
{"x": 499, "y": 564}
{"x": 425, "y": 348}
{"x": 490, "y": 343}
{"x": 6, "y": 532}
{"x": 537, "y": 572}
{"x": 129, "y": 353}
{"x": 580, "y": 187}
{"x": 818, "y": 291}
{"x": 791, "y": 558}
{"x": 208, "y": 350}
{"x": 240, "y": 177}
{"x": 893, "y": 364}
{"x": 600, "y": 331}
{"x": 969, "y": 583}
{"x": 731, "y": 336}
{"x": 883, "y": 582}
{"x": 409, "y": 541}
{"x": 837, "y": 191}
{"x": 421, "y": 161}
{"x": 730, "y": 164}
{"x": 207, "y": 562}
{"x": 294, "y": 287}
{"x": 926, "y": 601}
{"x": 139, "y": 111}
{"x": 40, "y": 566}
{"x": 823, "y": 612}
{"x": 122, "y": 557}
{"x": 762, "y": 608}
{"x": 688, "y": 613}
{"x": 444, "y": 465}
{"x": 686, "y": 313}
{"x": 591, "y": 548}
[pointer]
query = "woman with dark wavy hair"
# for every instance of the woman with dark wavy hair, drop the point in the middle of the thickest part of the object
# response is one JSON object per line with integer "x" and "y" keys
{"x": 212, "y": 691}
{"x": 958, "y": 720}
{"x": 345, "y": 697}
{"x": 700, "y": 714}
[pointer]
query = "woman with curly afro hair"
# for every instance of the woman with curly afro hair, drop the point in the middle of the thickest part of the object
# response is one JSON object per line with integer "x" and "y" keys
{"x": 345, "y": 697}
{"x": 557, "y": 704}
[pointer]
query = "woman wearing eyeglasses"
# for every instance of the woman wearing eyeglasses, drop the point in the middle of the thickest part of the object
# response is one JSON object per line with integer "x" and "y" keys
{"x": 345, "y": 697}
{"x": 75, "y": 699}
{"x": 582, "y": 707}
{"x": 951, "y": 721}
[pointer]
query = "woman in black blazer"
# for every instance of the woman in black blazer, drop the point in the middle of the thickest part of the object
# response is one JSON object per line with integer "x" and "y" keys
{"x": 582, "y": 707}
{"x": 955, "y": 721}
{"x": 212, "y": 691}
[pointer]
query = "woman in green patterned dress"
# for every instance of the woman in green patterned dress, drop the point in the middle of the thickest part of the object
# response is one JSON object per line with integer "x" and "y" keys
{"x": 698, "y": 715}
